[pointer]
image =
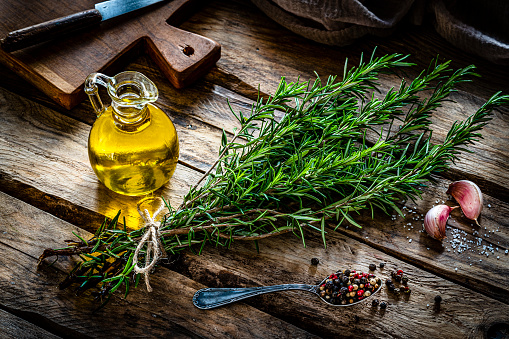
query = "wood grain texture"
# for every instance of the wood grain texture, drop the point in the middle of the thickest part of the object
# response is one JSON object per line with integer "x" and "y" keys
{"x": 24, "y": 234}
{"x": 59, "y": 68}
{"x": 463, "y": 312}
{"x": 15, "y": 327}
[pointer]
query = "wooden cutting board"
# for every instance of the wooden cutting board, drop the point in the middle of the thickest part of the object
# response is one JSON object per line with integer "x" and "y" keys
{"x": 59, "y": 68}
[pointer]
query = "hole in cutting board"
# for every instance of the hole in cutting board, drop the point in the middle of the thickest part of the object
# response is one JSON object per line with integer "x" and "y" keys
{"x": 187, "y": 50}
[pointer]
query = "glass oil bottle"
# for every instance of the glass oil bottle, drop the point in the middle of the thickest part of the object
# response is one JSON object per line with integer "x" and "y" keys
{"x": 133, "y": 146}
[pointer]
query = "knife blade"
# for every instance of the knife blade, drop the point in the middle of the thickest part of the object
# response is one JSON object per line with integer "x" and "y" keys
{"x": 59, "y": 27}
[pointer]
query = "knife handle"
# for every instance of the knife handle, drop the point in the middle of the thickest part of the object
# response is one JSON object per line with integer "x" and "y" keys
{"x": 49, "y": 30}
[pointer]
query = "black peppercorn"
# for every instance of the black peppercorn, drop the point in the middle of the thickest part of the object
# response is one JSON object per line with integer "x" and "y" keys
{"x": 344, "y": 290}
{"x": 375, "y": 303}
{"x": 346, "y": 280}
{"x": 356, "y": 282}
{"x": 315, "y": 261}
{"x": 404, "y": 279}
{"x": 397, "y": 278}
{"x": 388, "y": 282}
{"x": 372, "y": 267}
{"x": 347, "y": 273}
{"x": 391, "y": 287}
{"x": 382, "y": 264}
{"x": 364, "y": 281}
{"x": 336, "y": 282}
{"x": 383, "y": 305}
{"x": 438, "y": 299}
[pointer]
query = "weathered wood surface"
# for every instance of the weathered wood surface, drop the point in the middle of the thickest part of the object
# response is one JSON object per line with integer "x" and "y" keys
{"x": 15, "y": 327}
{"x": 167, "y": 312}
{"x": 43, "y": 162}
{"x": 280, "y": 260}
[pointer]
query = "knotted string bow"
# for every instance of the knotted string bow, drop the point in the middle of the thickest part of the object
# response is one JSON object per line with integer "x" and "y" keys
{"x": 152, "y": 236}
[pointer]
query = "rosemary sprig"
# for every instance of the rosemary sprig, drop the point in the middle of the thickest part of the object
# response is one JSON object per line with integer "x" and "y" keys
{"x": 309, "y": 155}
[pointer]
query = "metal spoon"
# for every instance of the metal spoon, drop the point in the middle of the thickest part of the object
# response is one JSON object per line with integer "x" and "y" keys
{"x": 208, "y": 298}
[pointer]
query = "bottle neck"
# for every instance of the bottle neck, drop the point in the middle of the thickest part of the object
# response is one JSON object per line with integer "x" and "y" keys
{"x": 130, "y": 118}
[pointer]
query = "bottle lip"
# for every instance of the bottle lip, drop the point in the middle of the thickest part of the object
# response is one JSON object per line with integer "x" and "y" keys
{"x": 148, "y": 90}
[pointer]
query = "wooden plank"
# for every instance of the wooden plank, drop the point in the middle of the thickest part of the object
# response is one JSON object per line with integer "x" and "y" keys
{"x": 281, "y": 260}
{"x": 15, "y": 327}
{"x": 27, "y": 231}
{"x": 463, "y": 312}
{"x": 191, "y": 131}
{"x": 258, "y": 55}
{"x": 197, "y": 111}
{"x": 255, "y": 53}
{"x": 28, "y": 291}
{"x": 483, "y": 267}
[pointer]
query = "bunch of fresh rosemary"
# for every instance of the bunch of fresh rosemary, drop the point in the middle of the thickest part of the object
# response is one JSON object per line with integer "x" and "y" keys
{"x": 336, "y": 150}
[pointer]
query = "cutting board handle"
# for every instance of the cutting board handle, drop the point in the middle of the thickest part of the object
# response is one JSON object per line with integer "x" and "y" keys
{"x": 50, "y": 30}
{"x": 182, "y": 56}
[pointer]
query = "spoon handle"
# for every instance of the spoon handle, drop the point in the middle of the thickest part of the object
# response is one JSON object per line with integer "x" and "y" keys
{"x": 208, "y": 298}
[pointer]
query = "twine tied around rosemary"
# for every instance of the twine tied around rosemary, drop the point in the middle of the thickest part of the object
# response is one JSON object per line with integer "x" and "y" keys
{"x": 152, "y": 237}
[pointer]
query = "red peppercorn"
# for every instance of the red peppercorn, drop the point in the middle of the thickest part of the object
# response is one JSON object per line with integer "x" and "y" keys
{"x": 350, "y": 288}
{"x": 368, "y": 285}
{"x": 360, "y": 298}
{"x": 400, "y": 272}
{"x": 360, "y": 293}
{"x": 353, "y": 271}
{"x": 364, "y": 275}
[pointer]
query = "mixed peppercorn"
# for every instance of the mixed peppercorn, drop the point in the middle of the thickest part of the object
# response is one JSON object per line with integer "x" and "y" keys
{"x": 348, "y": 287}
{"x": 398, "y": 277}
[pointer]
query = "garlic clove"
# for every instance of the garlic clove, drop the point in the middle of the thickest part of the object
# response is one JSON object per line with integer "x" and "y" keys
{"x": 469, "y": 196}
{"x": 435, "y": 220}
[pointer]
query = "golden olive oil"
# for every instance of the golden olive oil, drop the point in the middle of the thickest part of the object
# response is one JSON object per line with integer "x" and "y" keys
{"x": 134, "y": 158}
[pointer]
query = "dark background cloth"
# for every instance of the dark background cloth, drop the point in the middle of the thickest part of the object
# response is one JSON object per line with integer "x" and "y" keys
{"x": 476, "y": 26}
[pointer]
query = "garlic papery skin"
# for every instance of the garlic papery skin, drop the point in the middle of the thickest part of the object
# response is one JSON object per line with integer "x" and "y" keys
{"x": 469, "y": 196}
{"x": 435, "y": 220}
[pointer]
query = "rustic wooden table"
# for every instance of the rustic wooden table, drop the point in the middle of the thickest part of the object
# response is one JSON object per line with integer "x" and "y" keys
{"x": 49, "y": 190}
